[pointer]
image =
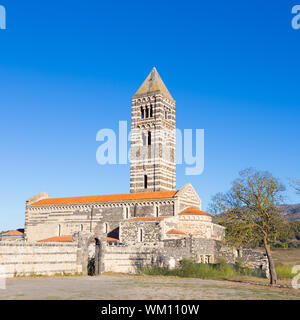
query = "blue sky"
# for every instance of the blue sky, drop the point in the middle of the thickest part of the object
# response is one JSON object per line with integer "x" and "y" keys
{"x": 69, "y": 69}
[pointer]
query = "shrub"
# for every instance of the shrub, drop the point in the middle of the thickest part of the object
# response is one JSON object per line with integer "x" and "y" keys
{"x": 221, "y": 262}
{"x": 239, "y": 262}
{"x": 189, "y": 269}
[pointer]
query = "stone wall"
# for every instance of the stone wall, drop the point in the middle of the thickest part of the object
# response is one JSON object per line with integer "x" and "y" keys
{"x": 250, "y": 258}
{"x": 187, "y": 197}
{"x": 168, "y": 253}
{"x": 166, "y": 210}
{"x": 11, "y": 237}
{"x": 21, "y": 258}
{"x": 218, "y": 232}
{"x": 151, "y": 231}
{"x": 46, "y": 222}
{"x": 197, "y": 225}
{"x": 128, "y": 259}
{"x": 59, "y": 220}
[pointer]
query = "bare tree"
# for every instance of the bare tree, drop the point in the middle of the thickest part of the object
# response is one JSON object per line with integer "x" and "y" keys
{"x": 297, "y": 186}
{"x": 250, "y": 212}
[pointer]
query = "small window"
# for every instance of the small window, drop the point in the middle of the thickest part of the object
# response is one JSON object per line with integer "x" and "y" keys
{"x": 156, "y": 211}
{"x": 166, "y": 115}
{"x": 149, "y": 138}
{"x": 142, "y": 113}
{"x": 105, "y": 228}
{"x": 145, "y": 182}
{"x": 147, "y": 112}
{"x": 81, "y": 227}
{"x": 151, "y": 111}
{"x": 140, "y": 235}
{"x": 59, "y": 230}
{"x": 126, "y": 213}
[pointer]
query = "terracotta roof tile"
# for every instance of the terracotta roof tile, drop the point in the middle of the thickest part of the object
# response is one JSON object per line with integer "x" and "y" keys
{"x": 13, "y": 232}
{"x": 69, "y": 239}
{"x": 194, "y": 211}
{"x": 175, "y": 231}
{"x": 107, "y": 198}
{"x": 58, "y": 239}
{"x": 109, "y": 239}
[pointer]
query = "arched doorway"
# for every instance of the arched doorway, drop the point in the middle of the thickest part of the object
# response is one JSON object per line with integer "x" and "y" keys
{"x": 94, "y": 265}
{"x": 91, "y": 253}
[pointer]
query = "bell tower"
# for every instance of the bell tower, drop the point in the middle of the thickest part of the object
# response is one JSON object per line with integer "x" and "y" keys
{"x": 153, "y": 135}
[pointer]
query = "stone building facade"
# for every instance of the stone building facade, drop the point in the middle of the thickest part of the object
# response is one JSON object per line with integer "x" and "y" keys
{"x": 122, "y": 216}
{"x": 154, "y": 210}
{"x": 154, "y": 224}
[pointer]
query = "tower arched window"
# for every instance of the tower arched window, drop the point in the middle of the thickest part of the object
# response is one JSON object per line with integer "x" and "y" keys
{"x": 151, "y": 111}
{"x": 142, "y": 113}
{"x": 59, "y": 230}
{"x": 147, "y": 112}
{"x": 149, "y": 138}
{"x": 166, "y": 115}
{"x": 145, "y": 181}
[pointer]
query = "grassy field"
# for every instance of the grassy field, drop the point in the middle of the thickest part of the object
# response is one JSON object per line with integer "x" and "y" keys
{"x": 285, "y": 259}
{"x": 286, "y": 256}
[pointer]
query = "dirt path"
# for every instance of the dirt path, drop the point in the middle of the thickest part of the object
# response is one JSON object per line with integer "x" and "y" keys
{"x": 114, "y": 287}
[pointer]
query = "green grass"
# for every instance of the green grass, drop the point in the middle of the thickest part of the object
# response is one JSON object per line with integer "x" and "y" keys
{"x": 190, "y": 269}
{"x": 284, "y": 272}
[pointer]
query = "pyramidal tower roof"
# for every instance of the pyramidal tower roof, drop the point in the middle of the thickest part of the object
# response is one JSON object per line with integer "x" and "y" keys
{"x": 153, "y": 83}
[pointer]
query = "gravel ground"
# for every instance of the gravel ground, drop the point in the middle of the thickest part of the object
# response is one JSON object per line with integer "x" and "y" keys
{"x": 130, "y": 287}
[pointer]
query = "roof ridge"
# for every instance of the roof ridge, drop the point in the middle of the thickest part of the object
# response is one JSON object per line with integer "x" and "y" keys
{"x": 69, "y": 238}
{"x": 193, "y": 210}
{"x": 108, "y": 198}
{"x": 175, "y": 231}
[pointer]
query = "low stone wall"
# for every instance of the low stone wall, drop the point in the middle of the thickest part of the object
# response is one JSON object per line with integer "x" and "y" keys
{"x": 22, "y": 258}
{"x": 250, "y": 258}
{"x": 126, "y": 259}
{"x": 168, "y": 253}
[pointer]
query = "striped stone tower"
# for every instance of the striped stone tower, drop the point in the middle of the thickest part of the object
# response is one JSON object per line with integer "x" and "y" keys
{"x": 153, "y": 135}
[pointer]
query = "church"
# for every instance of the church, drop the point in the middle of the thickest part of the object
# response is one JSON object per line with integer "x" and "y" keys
{"x": 155, "y": 224}
{"x": 154, "y": 210}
